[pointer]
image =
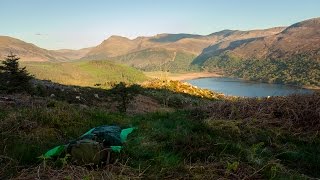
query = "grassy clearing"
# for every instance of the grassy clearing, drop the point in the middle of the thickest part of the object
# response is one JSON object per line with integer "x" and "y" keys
{"x": 222, "y": 139}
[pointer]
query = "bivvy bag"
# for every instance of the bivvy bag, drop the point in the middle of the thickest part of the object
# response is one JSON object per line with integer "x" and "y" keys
{"x": 94, "y": 146}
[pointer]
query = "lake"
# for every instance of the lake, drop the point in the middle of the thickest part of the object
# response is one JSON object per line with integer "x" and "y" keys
{"x": 238, "y": 87}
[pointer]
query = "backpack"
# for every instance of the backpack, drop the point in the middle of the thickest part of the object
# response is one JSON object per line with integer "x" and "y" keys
{"x": 94, "y": 146}
{"x": 86, "y": 152}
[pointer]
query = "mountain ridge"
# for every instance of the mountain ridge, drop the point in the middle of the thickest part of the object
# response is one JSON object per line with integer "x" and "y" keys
{"x": 276, "y": 42}
{"x": 299, "y": 38}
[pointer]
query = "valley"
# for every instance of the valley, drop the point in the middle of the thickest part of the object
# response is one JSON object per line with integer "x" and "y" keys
{"x": 270, "y": 55}
{"x": 230, "y": 104}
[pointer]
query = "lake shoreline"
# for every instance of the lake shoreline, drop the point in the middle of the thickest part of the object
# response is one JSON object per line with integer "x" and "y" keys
{"x": 191, "y": 76}
{"x": 182, "y": 76}
{"x": 243, "y": 88}
{"x": 315, "y": 88}
{"x": 198, "y": 75}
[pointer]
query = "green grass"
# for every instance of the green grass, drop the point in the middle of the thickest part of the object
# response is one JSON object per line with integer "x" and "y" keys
{"x": 158, "y": 60}
{"x": 84, "y": 73}
{"x": 166, "y": 144}
{"x": 196, "y": 134}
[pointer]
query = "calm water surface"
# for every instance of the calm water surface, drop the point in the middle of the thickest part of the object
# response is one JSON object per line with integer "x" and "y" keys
{"x": 238, "y": 87}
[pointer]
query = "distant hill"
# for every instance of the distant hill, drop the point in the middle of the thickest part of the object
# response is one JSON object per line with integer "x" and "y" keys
{"x": 30, "y": 52}
{"x": 27, "y": 51}
{"x": 72, "y": 54}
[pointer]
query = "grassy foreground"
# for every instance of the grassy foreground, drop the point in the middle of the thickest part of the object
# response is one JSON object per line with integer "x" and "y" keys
{"x": 191, "y": 135}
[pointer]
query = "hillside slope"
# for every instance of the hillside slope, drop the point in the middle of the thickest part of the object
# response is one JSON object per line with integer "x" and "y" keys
{"x": 27, "y": 51}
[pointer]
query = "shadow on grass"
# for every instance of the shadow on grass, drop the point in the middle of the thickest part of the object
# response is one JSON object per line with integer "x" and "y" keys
{"x": 202, "y": 138}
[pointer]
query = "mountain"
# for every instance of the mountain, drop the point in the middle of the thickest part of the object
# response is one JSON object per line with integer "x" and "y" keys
{"x": 289, "y": 57}
{"x": 142, "y": 52}
{"x": 188, "y": 43}
{"x": 297, "y": 39}
{"x": 118, "y": 46}
{"x": 173, "y": 52}
{"x": 113, "y": 46}
{"x": 27, "y": 51}
{"x": 184, "y": 52}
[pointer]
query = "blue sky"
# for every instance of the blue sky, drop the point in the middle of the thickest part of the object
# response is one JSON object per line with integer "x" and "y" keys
{"x": 74, "y": 24}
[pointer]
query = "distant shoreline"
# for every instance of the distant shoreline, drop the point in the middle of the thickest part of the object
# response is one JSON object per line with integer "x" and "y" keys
{"x": 182, "y": 76}
{"x": 197, "y": 75}
{"x": 315, "y": 88}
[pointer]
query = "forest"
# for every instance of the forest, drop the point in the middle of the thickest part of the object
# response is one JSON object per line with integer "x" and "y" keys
{"x": 299, "y": 70}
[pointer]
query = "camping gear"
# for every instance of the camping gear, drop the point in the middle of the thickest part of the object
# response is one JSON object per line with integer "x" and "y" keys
{"x": 108, "y": 135}
{"x": 94, "y": 146}
{"x": 88, "y": 152}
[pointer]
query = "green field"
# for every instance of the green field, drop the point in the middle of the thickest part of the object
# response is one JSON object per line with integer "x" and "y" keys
{"x": 84, "y": 73}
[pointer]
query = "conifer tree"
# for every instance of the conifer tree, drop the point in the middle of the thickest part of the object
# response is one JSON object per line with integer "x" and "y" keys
{"x": 12, "y": 77}
{"x": 124, "y": 94}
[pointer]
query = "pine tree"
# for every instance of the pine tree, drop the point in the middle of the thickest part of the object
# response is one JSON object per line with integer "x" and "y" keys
{"x": 13, "y": 78}
{"x": 124, "y": 94}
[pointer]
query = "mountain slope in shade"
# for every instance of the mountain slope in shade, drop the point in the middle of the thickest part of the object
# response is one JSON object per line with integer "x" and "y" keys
{"x": 300, "y": 38}
{"x": 27, "y": 51}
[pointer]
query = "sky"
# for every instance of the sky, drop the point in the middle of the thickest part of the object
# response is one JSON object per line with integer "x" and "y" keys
{"x": 75, "y": 24}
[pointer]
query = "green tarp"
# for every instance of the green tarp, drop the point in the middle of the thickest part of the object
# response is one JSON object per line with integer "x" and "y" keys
{"x": 56, "y": 151}
{"x": 124, "y": 134}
